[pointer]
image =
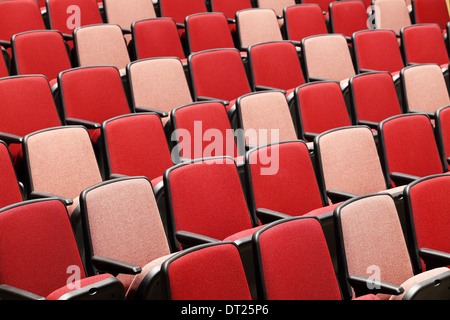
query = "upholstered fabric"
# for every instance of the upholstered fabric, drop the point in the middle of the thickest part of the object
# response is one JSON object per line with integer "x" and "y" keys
{"x": 37, "y": 247}
{"x": 62, "y": 161}
{"x": 375, "y": 97}
{"x": 159, "y": 84}
{"x": 257, "y": 25}
{"x": 425, "y": 88}
{"x": 425, "y": 44}
{"x": 328, "y": 57}
{"x": 266, "y": 118}
{"x": 211, "y": 273}
{"x": 347, "y": 17}
{"x": 148, "y": 156}
{"x": 296, "y": 263}
{"x": 322, "y": 107}
{"x": 377, "y": 50}
{"x": 125, "y": 12}
{"x": 180, "y": 9}
{"x": 373, "y": 240}
{"x": 125, "y": 224}
{"x": 443, "y": 134}
{"x": 349, "y": 161}
{"x": 229, "y": 8}
{"x": 59, "y": 293}
{"x": 431, "y": 11}
{"x": 391, "y": 14}
{"x": 276, "y": 65}
{"x": 157, "y": 38}
{"x": 304, "y": 20}
{"x": 9, "y": 188}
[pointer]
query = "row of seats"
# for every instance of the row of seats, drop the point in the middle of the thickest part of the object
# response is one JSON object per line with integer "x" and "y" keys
{"x": 222, "y": 243}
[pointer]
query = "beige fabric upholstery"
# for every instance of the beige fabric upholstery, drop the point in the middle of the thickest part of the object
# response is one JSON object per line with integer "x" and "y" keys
{"x": 392, "y": 14}
{"x": 258, "y": 25}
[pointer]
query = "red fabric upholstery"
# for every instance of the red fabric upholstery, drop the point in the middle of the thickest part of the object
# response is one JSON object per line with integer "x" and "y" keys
{"x": 375, "y": 96}
{"x": 276, "y": 65}
{"x": 229, "y": 8}
{"x": 377, "y": 50}
{"x": 324, "y": 5}
{"x": 347, "y": 17}
{"x": 431, "y": 11}
{"x": 9, "y": 188}
{"x": 180, "y": 9}
{"x": 157, "y": 37}
{"x": 4, "y": 72}
{"x": 322, "y": 106}
{"x": 37, "y": 247}
{"x": 206, "y": 198}
{"x": 304, "y": 20}
{"x": 81, "y": 284}
{"x": 443, "y": 129}
{"x": 219, "y": 74}
{"x": 147, "y": 156}
{"x": 425, "y": 44}
{"x": 429, "y": 211}
{"x": 410, "y": 146}
{"x": 210, "y": 273}
{"x": 296, "y": 263}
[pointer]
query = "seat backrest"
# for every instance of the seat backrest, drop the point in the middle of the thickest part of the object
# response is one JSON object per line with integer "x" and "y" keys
{"x": 304, "y": 20}
{"x": 218, "y": 73}
{"x": 424, "y": 88}
{"x": 347, "y": 17}
{"x": 156, "y": 37}
{"x": 347, "y": 160}
{"x": 408, "y": 145}
{"x": 180, "y": 9}
{"x": 158, "y": 83}
{"x": 391, "y": 14}
{"x": 125, "y": 12}
{"x": 229, "y": 8}
{"x": 61, "y": 161}
{"x": 427, "y": 213}
{"x": 198, "y": 197}
{"x": 276, "y": 5}
{"x": 101, "y": 44}
{"x": 38, "y": 240}
{"x": 324, "y": 4}
{"x": 206, "y": 272}
{"x": 424, "y": 43}
{"x": 430, "y": 11}
{"x": 281, "y": 177}
{"x": 289, "y": 254}
{"x": 364, "y": 222}
{"x": 40, "y": 52}
{"x": 257, "y": 25}
{"x": 275, "y": 64}
{"x": 147, "y": 156}
{"x": 442, "y": 128}
{"x": 265, "y": 118}
{"x": 109, "y": 206}
{"x": 93, "y": 93}
{"x": 9, "y": 188}
{"x": 373, "y": 97}
{"x": 321, "y": 107}
{"x": 201, "y": 130}
{"x": 327, "y": 57}
{"x": 377, "y": 50}
{"x": 207, "y": 30}
{"x": 67, "y": 15}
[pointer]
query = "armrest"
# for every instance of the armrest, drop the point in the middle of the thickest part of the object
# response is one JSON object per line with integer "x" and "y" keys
{"x": 296, "y": 43}
{"x": 434, "y": 258}
{"x": 180, "y": 25}
{"x": 5, "y": 44}
{"x": 67, "y": 37}
{"x": 267, "y": 215}
{"x": 231, "y": 20}
{"x": 368, "y": 123}
{"x": 126, "y": 31}
{"x": 366, "y": 70}
{"x": 9, "y": 138}
{"x": 364, "y": 285}
{"x": 189, "y": 239}
{"x": 114, "y": 267}
{"x": 8, "y": 292}
{"x": 203, "y": 98}
{"x": 41, "y": 194}
{"x": 309, "y": 136}
{"x": 448, "y": 160}
{"x": 264, "y": 88}
{"x": 162, "y": 114}
{"x": 318, "y": 79}
{"x": 401, "y": 179}
{"x": 86, "y": 123}
{"x": 116, "y": 176}
{"x": 339, "y": 196}
{"x": 430, "y": 114}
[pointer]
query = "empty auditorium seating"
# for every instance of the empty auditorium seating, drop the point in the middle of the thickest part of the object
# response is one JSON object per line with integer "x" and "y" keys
{"x": 391, "y": 14}
{"x": 303, "y": 20}
{"x": 347, "y": 17}
{"x": 373, "y": 218}
{"x": 229, "y": 8}
{"x": 40, "y": 258}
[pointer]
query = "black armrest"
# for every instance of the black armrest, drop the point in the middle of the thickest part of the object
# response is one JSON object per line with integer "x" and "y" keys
{"x": 114, "y": 267}
{"x": 365, "y": 285}
{"x": 116, "y": 176}
{"x": 126, "y": 31}
{"x": 162, "y": 114}
{"x": 401, "y": 179}
{"x": 8, "y": 292}
{"x": 296, "y": 43}
{"x": 86, "y": 123}
{"x": 434, "y": 258}
{"x": 366, "y": 70}
{"x": 5, "y": 44}
{"x": 42, "y": 194}
{"x": 430, "y": 114}
{"x": 339, "y": 196}
{"x": 266, "y": 215}
{"x": 203, "y": 98}
{"x": 318, "y": 79}
{"x": 448, "y": 160}
{"x": 67, "y": 37}
{"x": 231, "y": 20}
{"x": 180, "y": 25}
{"x": 370, "y": 124}
{"x": 309, "y": 136}
{"x": 266, "y": 88}
{"x": 9, "y": 138}
{"x": 189, "y": 239}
